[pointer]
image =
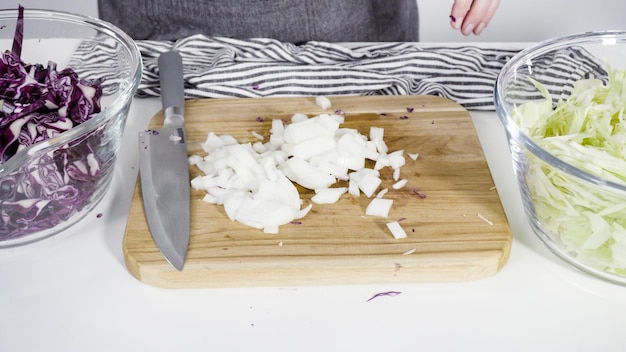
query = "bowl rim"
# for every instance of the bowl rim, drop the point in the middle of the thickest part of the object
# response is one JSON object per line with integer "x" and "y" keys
{"x": 125, "y": 95}
{"x": 513, "y": 130}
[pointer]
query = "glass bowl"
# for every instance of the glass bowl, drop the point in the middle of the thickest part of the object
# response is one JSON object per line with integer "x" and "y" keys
{"x": 573, "y": 205}
{"x": 51, "y": 185}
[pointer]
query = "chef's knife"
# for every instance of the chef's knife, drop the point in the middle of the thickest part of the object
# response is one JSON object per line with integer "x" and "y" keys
{"x": 164, "y": 169}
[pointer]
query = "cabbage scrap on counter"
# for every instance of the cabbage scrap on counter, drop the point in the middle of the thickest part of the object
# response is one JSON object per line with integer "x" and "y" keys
{"x": 588, "y": 131}
{"x": 38, "y": 103}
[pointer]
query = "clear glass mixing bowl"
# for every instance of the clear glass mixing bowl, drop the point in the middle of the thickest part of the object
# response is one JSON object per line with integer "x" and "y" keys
{"x": 578, "y": 214}
{"x": 49, "y": 186}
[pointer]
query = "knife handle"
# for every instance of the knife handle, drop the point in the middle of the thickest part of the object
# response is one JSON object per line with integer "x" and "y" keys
{"x": 172, "y": 83}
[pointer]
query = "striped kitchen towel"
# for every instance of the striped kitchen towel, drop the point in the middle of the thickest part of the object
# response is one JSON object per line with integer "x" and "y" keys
{"x": 217, "y": 67}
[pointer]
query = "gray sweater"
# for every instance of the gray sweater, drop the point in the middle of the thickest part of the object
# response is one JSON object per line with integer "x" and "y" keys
{"x": 294, "y": 21}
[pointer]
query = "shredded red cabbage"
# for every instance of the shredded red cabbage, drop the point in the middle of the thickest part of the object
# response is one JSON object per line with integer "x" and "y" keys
{"x": 419, "y": 193}
{"x": 19, "y": 32}
{"x": 38, "y": 103}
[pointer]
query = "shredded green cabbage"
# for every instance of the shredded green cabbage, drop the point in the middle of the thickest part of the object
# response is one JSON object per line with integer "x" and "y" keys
{"x": 587, "y": 131}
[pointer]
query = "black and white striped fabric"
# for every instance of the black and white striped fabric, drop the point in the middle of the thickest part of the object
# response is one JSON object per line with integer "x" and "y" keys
{"x": 224, "y": 67}
{"x": 557, "y": 71}
{"x": 216, "y": 67}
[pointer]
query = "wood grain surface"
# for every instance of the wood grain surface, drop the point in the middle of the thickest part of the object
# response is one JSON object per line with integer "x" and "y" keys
{"x": 459, "y": 232}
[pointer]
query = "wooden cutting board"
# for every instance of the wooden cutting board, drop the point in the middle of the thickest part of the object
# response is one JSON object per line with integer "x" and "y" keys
{"x": 459, "y": 232}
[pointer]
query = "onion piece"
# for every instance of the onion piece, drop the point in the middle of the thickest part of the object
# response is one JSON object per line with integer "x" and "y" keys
{"x": 480, "y": 216}
{"x": 396, "y": 159}
{"x": 409, "y": 252}
{"x": 376, "y": 133}
{"x": 396, "y": 174}
{"x": 212, "y": 142}
{"x": 303, "y": 173}
{"x": 400, "y": 184}
{"x": 379, "y": 207}
{"x": 194, "y": 159}
{"x": 353, "y": 188}
{"x": 366, "y": 180}
{"x": 278, "y": 126}
{"x": 382, "y": 162}
{"x": 323, "y": 102}
{"x": 275, "y": 203}
{"x": 396, "y": 230}
{"x": 328, "y": 195}
{"x": 298, "y": 117}
{"x": 382, "y": 193}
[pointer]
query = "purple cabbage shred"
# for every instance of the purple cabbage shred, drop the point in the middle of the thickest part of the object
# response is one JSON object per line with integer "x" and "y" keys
{"x": 381, "y": 294}
{"x": 38, "y": 103}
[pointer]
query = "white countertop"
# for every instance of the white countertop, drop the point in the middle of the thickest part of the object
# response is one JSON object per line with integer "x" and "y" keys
{"x": 74, "y": 293}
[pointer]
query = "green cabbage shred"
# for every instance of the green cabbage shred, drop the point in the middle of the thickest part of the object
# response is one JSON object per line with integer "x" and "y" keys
{"x": 588, "y": 131}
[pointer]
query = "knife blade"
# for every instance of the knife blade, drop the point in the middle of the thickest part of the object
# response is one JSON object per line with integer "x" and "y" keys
{"x": 164, "y": 169}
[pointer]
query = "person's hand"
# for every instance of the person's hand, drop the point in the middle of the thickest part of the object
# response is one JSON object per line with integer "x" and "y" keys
{"x": 472, "y": 16}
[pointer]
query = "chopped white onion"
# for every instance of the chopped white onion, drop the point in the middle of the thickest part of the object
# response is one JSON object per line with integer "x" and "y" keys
{"x": 303, "y": 173}
{"x": 339, "y": 118}
{"x": 396, "y": 230}
{"x": 323, "y": 102}
{"x": 209, "y": 199}
{"x": 278, "y": 127}
{"x": 257, "y": 135}
{"x": 298, "y": 117}
{"x": 255, "y": 182}
{"x": 228, "y": 139}
{"x": 410, "y": 251}
{"x": 367, "y": 182}
{"x": 302, "y": 213}
{"x": 376, "y": 133}
{"x": 400, "y": 184}
{"x": 353, "y": 188}
{"x": 379, "y": 207}
{"x": 196, "y": 183}
{"x": 276, "y": 141}
{"x": 480, "y": 216}
{"x": 396, "y": 174}
{"x": 260, "y": 147}
{"x": 382, "y": 193}
{"x": 382, "y": 161}
{"x": 213, "y": 142}
{"x": 396, "y": 159}
{"x": 328, "y": 195}
{"x": 194, "y": 159}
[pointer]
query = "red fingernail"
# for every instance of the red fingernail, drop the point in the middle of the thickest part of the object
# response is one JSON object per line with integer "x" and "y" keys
{"x": 452, "y": 18}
